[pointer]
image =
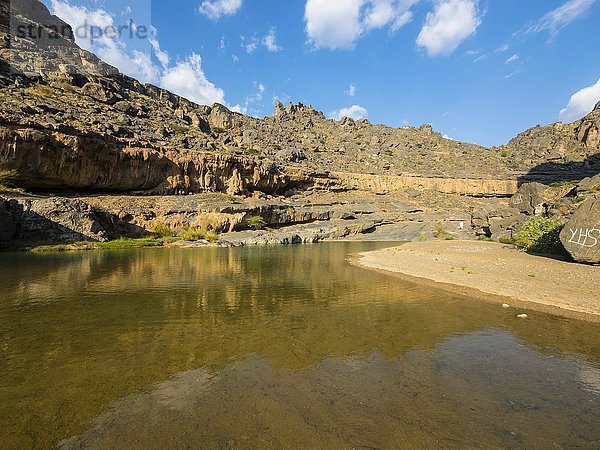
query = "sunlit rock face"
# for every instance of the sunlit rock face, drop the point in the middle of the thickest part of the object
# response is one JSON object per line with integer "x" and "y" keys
{"x": 581, "y": 235}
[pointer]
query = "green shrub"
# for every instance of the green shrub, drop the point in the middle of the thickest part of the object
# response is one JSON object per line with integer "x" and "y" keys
{"x": 162, "y": 230}
{"x": 40, "y": 90}
{"x": 439, "y": 232}
{"x": 504, "y": 154}
{"x": 540, "y": 235}
{"x": 179, "y": 129}
{"x": 256, "y": 222}
{"x": 118, "y": 244}
{"x": 127, "y": 243}
{"x": 198, "y": 233}
{"x": 563, "y": 183}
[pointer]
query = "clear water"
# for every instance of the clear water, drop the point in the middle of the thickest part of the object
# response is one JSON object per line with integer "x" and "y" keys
{"x": 279, "y": 347}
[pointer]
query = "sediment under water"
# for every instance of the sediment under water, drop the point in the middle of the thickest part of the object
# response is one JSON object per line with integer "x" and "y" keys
{"x": 277, "y": 347}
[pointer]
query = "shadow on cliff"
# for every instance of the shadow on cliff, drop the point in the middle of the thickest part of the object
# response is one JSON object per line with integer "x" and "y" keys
{"x": 22, "y": 227}
{"x": 548, "y": 173}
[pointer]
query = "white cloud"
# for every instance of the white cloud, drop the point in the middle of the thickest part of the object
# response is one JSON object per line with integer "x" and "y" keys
{"x": 161, "y": 55}
{"x": 333, "y": 25}
{"x": 581, "y": 103}
{"x": 354, "y": 112}
{"x": 339, "y": 24}
{"x": 448, "y": 26}
{"x": 251, "y": 44}
{"x": 557, "y": 19}
{"x": 351, "y": 90}
{"x": 251, "y": 47}
{"x": 270, "y": 41}
{"x": 503, "y": 48}
{"x": 112, "y": 49}
{"x": 512, "y": 59}
{"x": 215, "y": 9}
{"x": 187, "y": 79}
{"x": 513, "y": 74}
{"x": 252, "y": 103}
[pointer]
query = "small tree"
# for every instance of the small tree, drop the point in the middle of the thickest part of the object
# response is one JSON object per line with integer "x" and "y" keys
{"x": 540, "y": 235}
{"x": 256, "y": 222}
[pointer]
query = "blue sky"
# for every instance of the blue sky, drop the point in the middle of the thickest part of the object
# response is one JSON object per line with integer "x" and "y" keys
{"x": 479, "y": 71}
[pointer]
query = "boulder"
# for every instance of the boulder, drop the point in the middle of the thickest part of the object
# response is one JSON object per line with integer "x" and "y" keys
{"x": 291, "y": 155}
{"x": 220, "y": 117}
{"x": 581, "y": 235}
{"x": 126, "y": 107}
{"x": 589, "y": 185}
{"x": 534, "y": 198}
{"x": 426, "y": 129}
{"x": 494, "y": 219}
{"x": 98, "y": 92}
{"x": 279, "y": 109}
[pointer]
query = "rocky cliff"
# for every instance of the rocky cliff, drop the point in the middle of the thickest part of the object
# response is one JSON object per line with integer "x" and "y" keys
{"x": 69, "y": 123}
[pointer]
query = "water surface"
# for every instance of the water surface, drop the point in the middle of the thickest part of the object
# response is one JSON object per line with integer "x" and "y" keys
{"x": 277, "y": 347}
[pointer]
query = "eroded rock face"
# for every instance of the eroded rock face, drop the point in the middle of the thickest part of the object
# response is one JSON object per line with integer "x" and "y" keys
{"x": 581, "y": 235}
{"x": 534, "y": 198}
{"x": 222, "y": 118}
{"x": 588, "y": 129}
{"x": 59, "y": 160}
{"x": 53, "y": 220}
{"x": 561, "y": 144}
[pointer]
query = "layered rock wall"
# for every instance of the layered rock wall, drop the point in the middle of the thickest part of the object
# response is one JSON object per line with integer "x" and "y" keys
{"x": 59, "y": 161}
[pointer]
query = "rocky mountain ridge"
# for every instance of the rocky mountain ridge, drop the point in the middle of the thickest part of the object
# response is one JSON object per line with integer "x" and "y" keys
{"x": 74, "y": 127}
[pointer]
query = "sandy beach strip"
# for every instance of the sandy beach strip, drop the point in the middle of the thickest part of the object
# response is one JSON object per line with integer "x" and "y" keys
{"x": 496, "y": 273}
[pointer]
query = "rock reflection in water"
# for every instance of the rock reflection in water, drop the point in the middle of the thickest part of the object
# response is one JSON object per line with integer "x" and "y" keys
{"x": 454, "y": 397}
{"x": 246, "y": 333}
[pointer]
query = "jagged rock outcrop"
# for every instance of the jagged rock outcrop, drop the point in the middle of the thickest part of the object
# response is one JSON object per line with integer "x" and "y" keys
{"x": 534, "y": 198}
{"x": 581, "y": 235}
{"x": 52, "y": 220}
{"x": 587, "y": 130}
{"x": 570, "y": 148}
{"x": 589, "y": 185}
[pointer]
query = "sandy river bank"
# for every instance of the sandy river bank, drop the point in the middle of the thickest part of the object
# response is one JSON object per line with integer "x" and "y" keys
{"x": 496, "y": 273}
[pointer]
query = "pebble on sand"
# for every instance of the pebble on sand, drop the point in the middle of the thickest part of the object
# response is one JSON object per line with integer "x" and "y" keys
{"x": 505, "y": 305}
{"x": 522, "y": 316}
